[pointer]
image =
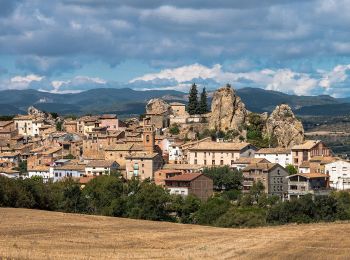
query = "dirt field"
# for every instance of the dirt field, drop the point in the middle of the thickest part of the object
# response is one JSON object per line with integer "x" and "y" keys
{"x": 31, "y": 234}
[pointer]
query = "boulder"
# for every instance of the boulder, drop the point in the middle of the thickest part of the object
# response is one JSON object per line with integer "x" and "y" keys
{"x": 285, "y": 127}
{"x": 228, "y": 112}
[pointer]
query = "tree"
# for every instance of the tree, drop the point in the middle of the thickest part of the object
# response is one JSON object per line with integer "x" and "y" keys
{"x": 291, "y": 169}
{"x": 211, "y": 210}
{"x": 257, "y": 189}
{"x": 59, "y": 126}
{"x": 225, "y": 178}
{"x": 174, "y": 129}
{"x": 203, "y": 103}
{"x": 193, "y": 106}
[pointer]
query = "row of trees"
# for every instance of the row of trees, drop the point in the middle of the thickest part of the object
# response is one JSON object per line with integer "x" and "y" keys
{"x": 112, "y": 196}
{"x": 194, "y": 106}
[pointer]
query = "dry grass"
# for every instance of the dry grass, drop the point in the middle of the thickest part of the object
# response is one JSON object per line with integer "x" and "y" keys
{"x": 31, "y": 234}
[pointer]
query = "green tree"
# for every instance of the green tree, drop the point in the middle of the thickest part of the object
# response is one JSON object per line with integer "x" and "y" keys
{"x": 291, "y": 169}
{"x": 242, "y": 217}
{"x": 257, "y": 190}
{"x": 203, "y": 103}
{"x": 59, "y": 126}
{"x": 211, "y": 210}
{"x": 174, "y": 129}
{"x": 193, "y": 106}
{"x": 224, "y": 178}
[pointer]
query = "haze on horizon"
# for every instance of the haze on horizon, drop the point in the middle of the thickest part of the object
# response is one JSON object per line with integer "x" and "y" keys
{"x": 297, "y": 47}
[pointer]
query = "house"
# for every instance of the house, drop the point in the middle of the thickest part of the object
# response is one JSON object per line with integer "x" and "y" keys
{"x": 175, "y": 153}
{"x": 69, "y": 170}
{"x": 219, "y": 153}
{"x": 111, "y": 122}
{"x": 272, "y": 175}
{"x": 190, "y": 184}
{"x": 9, "y": 173}
{"x": 243, "y": 162}
{"x": 13, "y": 157}
{"x": 307, "y": 183}
{"x": 282, "y": 156}
{"x": 339, "y": 174}
{"x": 43, "y": 171}
{"x": 24, "y": 124}
{"x": 100, "y": 167}
{"x": 143, "y": 165}
{"x": 178, "y": 109}
{"x": 304, "y": 167}
{"x": 70, "y": 126}
{"x": 307, "y": 150}
{"x": 119, "y": 152}
{"x": 161, "y": 175}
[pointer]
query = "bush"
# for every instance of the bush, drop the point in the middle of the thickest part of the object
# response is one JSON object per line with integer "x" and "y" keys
{"x": 224, "y": 178}
{"x": 211, "y": 210}
{"x": 242, "y": 217}
{"x": 174, "y": 129}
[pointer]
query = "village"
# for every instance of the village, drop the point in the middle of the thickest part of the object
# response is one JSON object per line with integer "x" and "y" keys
{"x": 165, "y": 147}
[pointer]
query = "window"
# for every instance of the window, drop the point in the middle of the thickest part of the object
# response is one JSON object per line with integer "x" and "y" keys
{"x": 195, "y": 154}
{"x": 195, "y": 161}
{"x": 205, "y": 162}
{"x": 147, "y": 138}
{"x": 221, "y": 162}
{"x": 213, "y": 162}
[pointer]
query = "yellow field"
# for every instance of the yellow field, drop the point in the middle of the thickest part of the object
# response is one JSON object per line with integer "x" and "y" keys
{"x": 32, "y": 234}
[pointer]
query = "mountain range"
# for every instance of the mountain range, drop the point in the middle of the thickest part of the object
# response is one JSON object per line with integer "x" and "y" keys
{"x": 127, "y": 101}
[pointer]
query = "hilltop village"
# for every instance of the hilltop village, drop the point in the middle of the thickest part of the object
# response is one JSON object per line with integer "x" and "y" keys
{"x": 171, "y": 146}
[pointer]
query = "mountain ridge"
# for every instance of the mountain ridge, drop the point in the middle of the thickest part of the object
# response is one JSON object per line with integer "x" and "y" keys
{"x": 127, "y": 101}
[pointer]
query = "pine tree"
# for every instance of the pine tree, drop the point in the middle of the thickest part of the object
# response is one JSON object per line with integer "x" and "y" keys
{"x": 192, "y": 107}
{"x": 203, "y": 103}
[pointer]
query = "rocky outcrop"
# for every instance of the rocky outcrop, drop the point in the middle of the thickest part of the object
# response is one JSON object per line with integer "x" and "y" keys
{"x": 228, "y": 112}
{"x": 36, "y": 112}
{"x": 157, "y": 106}
{"x": 285, "y": 127}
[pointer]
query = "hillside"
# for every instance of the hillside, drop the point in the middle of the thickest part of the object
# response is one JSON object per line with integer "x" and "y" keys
{"x": 31, "y": 234}
{"x": 126, "y": 101}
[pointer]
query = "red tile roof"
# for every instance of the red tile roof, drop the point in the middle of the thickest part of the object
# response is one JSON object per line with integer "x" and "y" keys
{"x": 185, "y": 177}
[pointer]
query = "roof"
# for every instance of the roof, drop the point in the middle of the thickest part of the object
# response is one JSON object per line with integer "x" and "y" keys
{"x": 100, "y": 163}
{"x": 5, "y": 123}
{"x": 274, "y": 150}
{"x": 73, "y": 167}
{"x": 40, "y": 168}
{"x": 189, "y": 144}
{"x": 8, "y": 171}
{"x": 184, "y": 177}
{"x": 165, "y": 171}
{"x": 248, "y": 160}
{"x": 308, "y": 144}
{"x": 219, "y": 146}
{"x": 124, "y": 147}
{"x": 9, "y": 154}
{"x": 142, "y": 155}
{"x": 323, "y": 159}
{"x": 310, "y": 175}
{"x": 260, "y": 166}
{"x": 52, "y": 150}
{"x": 182, "y": 167}
{"x": 108, "y": 116}
{"x": 23, "y": 117}
{"x": 305, "y": 164}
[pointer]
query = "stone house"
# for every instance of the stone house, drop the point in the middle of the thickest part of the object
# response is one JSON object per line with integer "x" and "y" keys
{"x": 143, "y": 165}
{"x": 219, "y": 153}
{"x": 100, "y": 167}
{"x": 307, "y": 150}
{"x": 272, "y": 175}
{"x": 301, "y": 184}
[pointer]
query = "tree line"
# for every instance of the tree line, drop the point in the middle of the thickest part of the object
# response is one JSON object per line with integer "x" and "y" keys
{"x": 111, "y": 195}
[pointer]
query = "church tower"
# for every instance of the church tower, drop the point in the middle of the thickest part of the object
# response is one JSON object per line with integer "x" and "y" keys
{"x": 148, "y": 136}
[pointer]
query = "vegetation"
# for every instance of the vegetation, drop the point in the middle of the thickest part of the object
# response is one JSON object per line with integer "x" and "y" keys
{"x": 174, "y": 129}
{"x": 110, "y": 195}
{"x": 59, "y": 126}
{"x": 69, "y": 156}
{"x": 193, "y": 106}
{"x": 291, "y": 169}
{"x": 203, "y": 103}
{"x": 255, "y": 132}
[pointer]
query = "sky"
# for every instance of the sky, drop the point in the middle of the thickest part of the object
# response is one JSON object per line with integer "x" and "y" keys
{"x": 298, "y": 47}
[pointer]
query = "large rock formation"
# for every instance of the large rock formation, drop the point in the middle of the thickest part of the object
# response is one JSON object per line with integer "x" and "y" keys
{"x": 228, "y": 112}
{"x": 157, "y": 106}
{"x": 285, "y": 127}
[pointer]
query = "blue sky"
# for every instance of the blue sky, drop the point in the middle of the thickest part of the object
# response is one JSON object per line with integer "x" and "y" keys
{"x": 300, "y": 47}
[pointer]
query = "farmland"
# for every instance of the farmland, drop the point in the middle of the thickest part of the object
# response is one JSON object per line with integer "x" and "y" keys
{"x": 33, "y": 234}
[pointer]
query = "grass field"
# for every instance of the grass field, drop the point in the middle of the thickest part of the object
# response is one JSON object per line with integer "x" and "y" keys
{"x": 32, "y": 234}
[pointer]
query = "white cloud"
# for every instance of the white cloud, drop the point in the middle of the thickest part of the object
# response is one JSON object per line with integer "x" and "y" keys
{"x": 22, "y": 82}
{"x": 337, "y": 75}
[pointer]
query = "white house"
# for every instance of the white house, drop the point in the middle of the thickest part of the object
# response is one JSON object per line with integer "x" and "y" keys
{"x": 68, "y": 171}
{"x": 9, "y": 173}
{"x": 175, "y": 153}
{"x": 282, "y": 156}
{"x": 100, "y": 167}
{"x": 304, "y": 167}
{"x": 339, "y": 174}
{"x": 43, "y": 171}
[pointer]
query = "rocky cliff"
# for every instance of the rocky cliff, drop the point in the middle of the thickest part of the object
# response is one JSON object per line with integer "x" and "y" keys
{"x": 157, "y": 106}
{"x": 228, "y": 112}
{"x": 285, "y": 127}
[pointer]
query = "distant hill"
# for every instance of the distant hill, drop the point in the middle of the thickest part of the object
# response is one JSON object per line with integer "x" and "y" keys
{"x": 127, "y": 101}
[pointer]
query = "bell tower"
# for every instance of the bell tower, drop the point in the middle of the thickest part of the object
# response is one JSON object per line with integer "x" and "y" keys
{"x": 148, "y": 136}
